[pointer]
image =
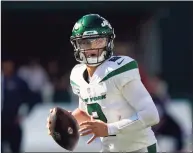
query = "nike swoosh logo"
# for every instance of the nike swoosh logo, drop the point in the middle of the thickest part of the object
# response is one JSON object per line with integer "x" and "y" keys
{"x": 120, "y": 62}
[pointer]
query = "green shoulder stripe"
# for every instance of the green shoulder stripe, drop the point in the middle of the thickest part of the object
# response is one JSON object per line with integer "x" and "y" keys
{"x": 73, "y": 83}
{"x": 152, "y": 149}
{"x": 124, "y": 68}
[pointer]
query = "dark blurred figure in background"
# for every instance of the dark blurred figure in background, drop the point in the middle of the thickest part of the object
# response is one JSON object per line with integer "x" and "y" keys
{"x": 168, "y": 125}
{"x": 53, "y": 71}
{"x": 15, "y": 92}
{"x": 37, "y": 79}
{"x": 62, "y": 93}
{"x": 60, "y": 82}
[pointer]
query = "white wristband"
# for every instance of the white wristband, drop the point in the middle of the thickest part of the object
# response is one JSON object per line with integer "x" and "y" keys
{"x": 131, "y": 123}
{"x": 112, "y": 129}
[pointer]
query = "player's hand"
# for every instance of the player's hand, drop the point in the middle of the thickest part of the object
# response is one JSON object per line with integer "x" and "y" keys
{"x": 48, "y": 125}
{"x": 96, "y": 127}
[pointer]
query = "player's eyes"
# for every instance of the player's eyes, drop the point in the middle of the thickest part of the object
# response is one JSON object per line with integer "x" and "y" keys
{"x": 91, "y": 43}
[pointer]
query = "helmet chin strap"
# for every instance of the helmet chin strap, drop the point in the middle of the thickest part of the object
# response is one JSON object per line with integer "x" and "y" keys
{"x": 93, "y": 65}
{"x": 89, "y": 64}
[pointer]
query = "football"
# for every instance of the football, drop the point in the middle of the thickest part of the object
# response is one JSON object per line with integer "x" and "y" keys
{"x": 81, "y": 116}
{"x": 64, "y": 128}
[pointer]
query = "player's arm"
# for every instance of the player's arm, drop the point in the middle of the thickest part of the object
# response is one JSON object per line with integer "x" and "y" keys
{"x": 80, "y": 113}
{"x": 146, "y": 113}
{"x": 81, "y": 106}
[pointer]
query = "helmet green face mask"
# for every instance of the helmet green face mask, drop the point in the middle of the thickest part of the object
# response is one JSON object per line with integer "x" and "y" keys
{"x": 89, "y": 28}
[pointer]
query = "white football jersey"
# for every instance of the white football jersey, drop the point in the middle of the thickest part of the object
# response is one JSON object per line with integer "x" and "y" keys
{"x": 102, "y": 98}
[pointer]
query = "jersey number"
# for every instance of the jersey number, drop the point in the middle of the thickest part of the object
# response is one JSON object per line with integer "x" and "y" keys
{"x": 95, "y": 109}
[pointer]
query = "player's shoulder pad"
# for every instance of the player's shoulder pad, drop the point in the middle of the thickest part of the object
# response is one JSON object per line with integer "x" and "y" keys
{"x": 75, "y": 77}
{"x": 122, "y": 68}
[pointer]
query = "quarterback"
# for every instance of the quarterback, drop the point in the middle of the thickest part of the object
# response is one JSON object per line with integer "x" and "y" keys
{"x": 110, "y": 90}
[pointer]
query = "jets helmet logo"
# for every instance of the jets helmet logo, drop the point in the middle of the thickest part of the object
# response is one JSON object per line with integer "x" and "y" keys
{"x": 105, "y": 23}
{"x": 76, "y": 26}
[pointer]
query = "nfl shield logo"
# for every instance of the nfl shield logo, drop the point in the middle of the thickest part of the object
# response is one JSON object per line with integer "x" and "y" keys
{"x": 88, "y": 90}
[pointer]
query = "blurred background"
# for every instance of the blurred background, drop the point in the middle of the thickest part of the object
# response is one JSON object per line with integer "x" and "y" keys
{"x": 37, "y": 58}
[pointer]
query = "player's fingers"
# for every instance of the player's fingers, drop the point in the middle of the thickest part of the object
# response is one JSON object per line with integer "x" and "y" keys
{"x": 86, "y": 123}
{"x": 47, "y": 125}
{"x": 91, "y": 139}
{"x": 48, "y": 120}
{"x": 86, "y": 133}
{"x": 85, "y": 128}
{"x": 91, "y": 118}
{"x": 49, "y": 132}
{"x": 51, "y": 110}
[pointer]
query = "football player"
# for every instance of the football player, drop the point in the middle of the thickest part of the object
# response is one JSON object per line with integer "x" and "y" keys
{"x": 110, "y": 90}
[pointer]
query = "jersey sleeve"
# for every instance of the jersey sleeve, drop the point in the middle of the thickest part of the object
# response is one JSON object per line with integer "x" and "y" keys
{"x": 128, "y": 81}
{"x": 74, "y": 82}
{"x": 127, "y": 72}
{"x": 146, "y": 112}
{"x": 75, "y": 88}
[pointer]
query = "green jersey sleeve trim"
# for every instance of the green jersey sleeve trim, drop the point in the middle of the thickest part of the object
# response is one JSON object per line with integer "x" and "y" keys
{"x": 73, "y": 83}
{"x": 152, "y": 149}
{"x": 124, "y": 68}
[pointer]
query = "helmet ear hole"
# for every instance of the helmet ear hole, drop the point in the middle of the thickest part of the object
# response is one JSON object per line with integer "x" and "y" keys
{"x": 109, "y": 45}
{"x": 112, "y": 46}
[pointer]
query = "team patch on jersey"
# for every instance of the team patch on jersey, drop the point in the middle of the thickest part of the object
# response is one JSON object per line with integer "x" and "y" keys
{"x": 124, "y": 68}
